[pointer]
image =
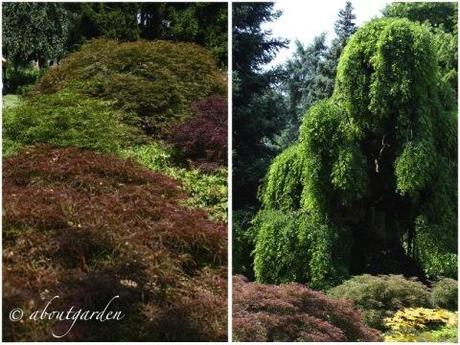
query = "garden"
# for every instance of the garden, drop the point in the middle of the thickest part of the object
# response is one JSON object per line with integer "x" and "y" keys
{"x": 345, "y": 181}
{"x": 115, "y": 169}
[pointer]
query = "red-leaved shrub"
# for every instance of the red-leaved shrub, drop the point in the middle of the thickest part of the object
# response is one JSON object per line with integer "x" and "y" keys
{"x": 86, "y": 227}
{"x": 202, "y": 138}
{"x": 292, "y": 312}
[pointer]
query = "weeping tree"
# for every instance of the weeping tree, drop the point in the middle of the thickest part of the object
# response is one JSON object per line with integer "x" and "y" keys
{"x": 371, "y": 184}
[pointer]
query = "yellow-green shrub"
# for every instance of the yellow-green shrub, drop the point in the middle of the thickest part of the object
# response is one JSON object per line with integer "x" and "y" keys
{"x": 421, "y": 324}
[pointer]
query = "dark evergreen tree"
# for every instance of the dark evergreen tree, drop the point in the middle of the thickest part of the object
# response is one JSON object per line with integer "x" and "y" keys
{"x": 256, "y": 105}
{"x": 258, "y": 115}
{"x": 344, "y": 27}
{"x": 300, "y": 75}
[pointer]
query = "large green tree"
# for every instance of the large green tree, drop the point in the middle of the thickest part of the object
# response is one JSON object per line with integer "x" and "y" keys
{"x": 371, "y": 185}
{"x": 33, "y": 31}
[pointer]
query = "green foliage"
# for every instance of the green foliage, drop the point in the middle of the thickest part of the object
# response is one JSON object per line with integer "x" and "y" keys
{"x": 421, "y": 324}
{"x": 18, "y": 78}
{"x": 243, "y": 240}
{"x": 206, "y": 191}
{"x": 283, "y": 182}
{"x": 67, "y": 119}
{"x": 258, "y": 108}
{"x": 445, "y": 294}
{"x": 156, "y": 80}
{"x": 33, "y": 31}
{"x": 380, "y": 296}
{"x": 295, "y": 246}
{"x": 384, "y": 144}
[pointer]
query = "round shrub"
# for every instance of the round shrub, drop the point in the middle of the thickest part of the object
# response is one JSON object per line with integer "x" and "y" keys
{"x": 422, "y": 325}
{"x": 202, "y": 138}
{"x": 445, "y": 294}
{"x": 157, "y": 80}
{"x": 379, "y": 297}
{"x": 86, "y": 227}
{"x": 68, "y": 119}
{"x": 292, "y": 312}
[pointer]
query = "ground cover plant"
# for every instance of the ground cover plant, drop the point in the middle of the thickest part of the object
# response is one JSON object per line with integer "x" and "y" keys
{"x": 292, "y": 312}
{"x": 85, "y": 225}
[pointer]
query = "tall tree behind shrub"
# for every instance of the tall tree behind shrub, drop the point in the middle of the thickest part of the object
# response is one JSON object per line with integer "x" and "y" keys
{"x": 34, "y": 31}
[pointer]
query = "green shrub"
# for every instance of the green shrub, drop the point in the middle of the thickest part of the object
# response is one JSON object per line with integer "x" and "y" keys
{"x": 380, "y": 296}
{"x": 445, "y": 294}
{"x": 157, "y": 80}
{"x": 17, "y": 78}
{"x": 67, "y": 119}
{"x": 207, "y": 191}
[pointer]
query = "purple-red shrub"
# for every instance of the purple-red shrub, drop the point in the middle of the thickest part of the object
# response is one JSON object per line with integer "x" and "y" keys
{"x": 292, "y": 312}
{"x": 202, "y": 138}
{"x": 87, "y": 226}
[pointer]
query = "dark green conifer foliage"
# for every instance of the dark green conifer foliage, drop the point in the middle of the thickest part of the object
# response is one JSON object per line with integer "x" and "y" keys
{"x": 376, "y": 162}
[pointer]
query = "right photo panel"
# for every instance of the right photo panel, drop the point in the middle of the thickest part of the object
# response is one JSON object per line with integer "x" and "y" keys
{"x": 345, "y": 178}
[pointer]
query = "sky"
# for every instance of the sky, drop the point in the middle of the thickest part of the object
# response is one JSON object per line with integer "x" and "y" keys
{"x": 305, "y": 19}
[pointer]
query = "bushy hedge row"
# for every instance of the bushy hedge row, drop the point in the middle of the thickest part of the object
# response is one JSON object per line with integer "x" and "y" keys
{"x": 158, "y": 80}
{"x": 88, "y": 226}
{"x": 292, "y": 312}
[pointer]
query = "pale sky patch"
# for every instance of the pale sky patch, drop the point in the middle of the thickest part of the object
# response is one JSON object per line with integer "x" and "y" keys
{"x": 303, "y": 20}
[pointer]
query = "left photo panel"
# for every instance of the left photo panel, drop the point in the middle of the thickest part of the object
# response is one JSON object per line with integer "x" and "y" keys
{"x": 114, "y": 123}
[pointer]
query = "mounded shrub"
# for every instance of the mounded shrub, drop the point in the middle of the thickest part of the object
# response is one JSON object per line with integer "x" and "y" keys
{"x": 379, "y": 297}
{"x": 88, "y": 226}
{"x": 292, "y": 312}
{"x": 156, "y": 80}
{"x": 445, "y": 294}
{"x": 68, "y": 119}
{"x": 202, "y": 138}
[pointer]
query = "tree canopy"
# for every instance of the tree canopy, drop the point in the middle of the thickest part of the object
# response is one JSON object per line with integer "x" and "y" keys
{"x": 374, "y": 171}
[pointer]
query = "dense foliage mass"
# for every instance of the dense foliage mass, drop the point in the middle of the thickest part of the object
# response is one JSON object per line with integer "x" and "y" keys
{"x": 379, "y": 297}
{"x": 158, "y": 81}
{"x": 422, "y": 325}
{"x": 293, "y": 312}
{"x": 87, "y": 226}
{"x": 46, "y": 32}
{"x": 203, "y": 137}
{"x": 445, "y": 294}
{"x": 375, "y": 164}
{"x": 67, "y": 119}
